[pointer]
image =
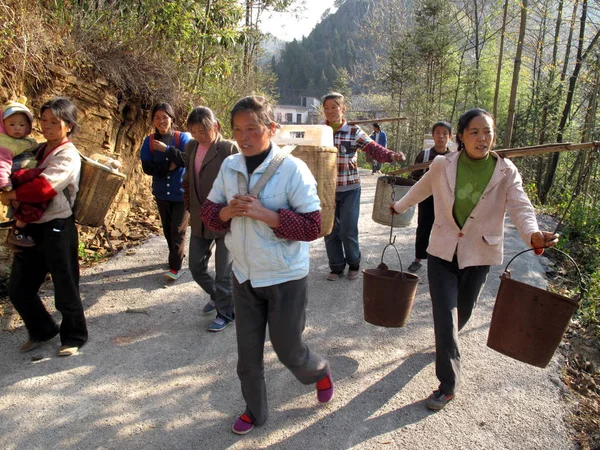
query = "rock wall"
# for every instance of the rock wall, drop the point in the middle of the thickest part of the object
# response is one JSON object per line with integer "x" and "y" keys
{"x": 109, "y": 125}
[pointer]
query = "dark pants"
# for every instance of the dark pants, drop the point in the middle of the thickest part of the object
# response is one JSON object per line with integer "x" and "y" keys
{"x": 425, "y": 220}
{"x": 283, "y": 308}
{"x": 174, "y": 218}
{"x": 219, "y": 287}
{"x": 375, "y": 166}
{"x": 454, "y": 293}
{"x": 55, "y": 252}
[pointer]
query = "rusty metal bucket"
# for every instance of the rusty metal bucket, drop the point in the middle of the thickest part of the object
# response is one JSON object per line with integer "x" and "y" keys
{"x": 528, "y": 323}
{"x": 388, "y": 294}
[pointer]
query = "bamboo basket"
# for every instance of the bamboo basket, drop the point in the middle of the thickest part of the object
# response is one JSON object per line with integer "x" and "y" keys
{"x": 98, "y": 187}
{"x": 322, "y": 162}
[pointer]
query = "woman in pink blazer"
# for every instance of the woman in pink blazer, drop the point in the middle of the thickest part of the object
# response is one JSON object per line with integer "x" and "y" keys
{"x": 473, "y": 189}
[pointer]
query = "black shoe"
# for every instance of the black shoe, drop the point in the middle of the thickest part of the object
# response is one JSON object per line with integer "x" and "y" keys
{"x": 414, "y": 267}
{"x": 438, "y": 400}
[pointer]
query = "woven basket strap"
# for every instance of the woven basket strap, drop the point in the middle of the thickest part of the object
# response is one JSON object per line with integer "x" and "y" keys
{"x": 66, "y": 189}
{"x": 267, "y": 174}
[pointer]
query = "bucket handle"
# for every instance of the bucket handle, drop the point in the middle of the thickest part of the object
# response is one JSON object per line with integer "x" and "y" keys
{"x": 384, "y": 266}
{"x": 392, "y": 241}
{"x": 580, "y": 284}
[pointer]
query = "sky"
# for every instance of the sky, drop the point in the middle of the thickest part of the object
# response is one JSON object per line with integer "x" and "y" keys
{"x": 286, "y": 27}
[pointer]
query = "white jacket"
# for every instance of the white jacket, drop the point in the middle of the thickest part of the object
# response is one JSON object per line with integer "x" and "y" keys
{"x": 481, "y": 240}
{"x": 259, "y": 255}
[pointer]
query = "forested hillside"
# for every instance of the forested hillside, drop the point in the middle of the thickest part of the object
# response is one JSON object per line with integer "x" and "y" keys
{"x": 326, "y": 57}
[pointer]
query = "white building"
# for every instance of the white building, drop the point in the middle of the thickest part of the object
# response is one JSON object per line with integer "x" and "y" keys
{"x": 307, "y": 112}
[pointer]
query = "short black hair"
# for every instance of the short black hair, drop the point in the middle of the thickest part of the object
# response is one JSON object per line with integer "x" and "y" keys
{"x": 168, "y": 109}
{"x": 257, "y": 105}
{"x": 465, "y": 120}
{"x": 442, "y": 123}
{"x": 65, "y": 110}
{"x": 203, "y": 116}
{"x": 376, "y": 125}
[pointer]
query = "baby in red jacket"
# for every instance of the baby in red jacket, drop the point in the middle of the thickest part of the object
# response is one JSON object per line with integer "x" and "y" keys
{"x": 17, "y": 166}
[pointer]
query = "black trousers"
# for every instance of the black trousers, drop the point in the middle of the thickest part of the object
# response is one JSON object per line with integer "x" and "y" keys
{"x": 454, "y": 294}
{"x": 283, "y": 308}
{"x": 174, "y": 218}
{"x": 425, "y": 220}
{"x": 55, "y": 252}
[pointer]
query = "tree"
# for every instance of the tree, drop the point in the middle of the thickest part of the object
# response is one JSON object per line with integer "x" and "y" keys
{"x": 581, "y": 56}
{"x": 500, "y": 56}
{"x": 515, "y": 81}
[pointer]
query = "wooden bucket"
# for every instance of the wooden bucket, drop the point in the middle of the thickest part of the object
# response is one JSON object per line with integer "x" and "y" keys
{"x": 386, "y": 187}
{"x": 322, "y": 162}
{"x": 98, "y": 187}
{"x": 528, "y": 323}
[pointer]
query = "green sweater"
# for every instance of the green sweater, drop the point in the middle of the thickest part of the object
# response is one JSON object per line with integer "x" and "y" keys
{"x": 472, "y": 177}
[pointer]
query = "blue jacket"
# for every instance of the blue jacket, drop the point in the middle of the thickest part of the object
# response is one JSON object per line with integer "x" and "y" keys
{"x": 259, "y": 255}
{"x": 382, "y": 138}
{"x": 166, "y": 184}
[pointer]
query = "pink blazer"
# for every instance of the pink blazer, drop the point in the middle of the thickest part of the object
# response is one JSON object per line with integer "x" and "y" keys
{"x": 481, "y": 240}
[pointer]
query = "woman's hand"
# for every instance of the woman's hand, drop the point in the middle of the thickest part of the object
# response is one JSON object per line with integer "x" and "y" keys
{"x": 7, "y": 197}
{"x": 240, "y": 205}
{"x": 249, "y": 206}
{"x": 399, "y": 156}
{"x": 392, "y": 209}
{"x": 159, "y": 145}
{"x": 542, "y": 240}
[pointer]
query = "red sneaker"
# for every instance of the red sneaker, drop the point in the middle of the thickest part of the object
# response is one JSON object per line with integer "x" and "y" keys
{"x": 325, "y": 389}
{"x": 242, "y": 425}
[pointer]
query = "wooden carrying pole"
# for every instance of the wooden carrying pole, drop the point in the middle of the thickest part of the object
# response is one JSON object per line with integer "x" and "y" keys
{"x": 516, "y": 152}
{"x": 383, "y": 119}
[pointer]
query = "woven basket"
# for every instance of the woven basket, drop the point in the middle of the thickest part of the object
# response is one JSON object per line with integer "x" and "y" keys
{"x": 98, "y": 187}
{"x": 322, "y": 162}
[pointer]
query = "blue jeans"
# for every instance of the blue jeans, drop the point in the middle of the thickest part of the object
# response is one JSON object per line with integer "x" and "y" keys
{"x": 219, "y": 287}
{"x": 342, "y": 243}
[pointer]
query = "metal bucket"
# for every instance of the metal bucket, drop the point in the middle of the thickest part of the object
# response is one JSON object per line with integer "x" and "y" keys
{"x": 388, "y": 294}
{"x": 528, "y": 323}
{"x": 390, "y": 189}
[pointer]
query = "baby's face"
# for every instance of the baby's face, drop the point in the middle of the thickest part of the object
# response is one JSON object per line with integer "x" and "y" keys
{"x": 17, "y": 126}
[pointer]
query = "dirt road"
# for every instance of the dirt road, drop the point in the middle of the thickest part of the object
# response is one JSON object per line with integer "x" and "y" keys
{"x": 151, "y": 377}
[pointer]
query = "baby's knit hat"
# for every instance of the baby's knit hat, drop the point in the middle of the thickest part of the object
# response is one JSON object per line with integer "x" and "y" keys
{"x": 12, "y": 107}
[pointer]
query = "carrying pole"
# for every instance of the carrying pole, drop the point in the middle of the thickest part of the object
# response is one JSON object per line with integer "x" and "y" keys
{"x": 517, "y": 152}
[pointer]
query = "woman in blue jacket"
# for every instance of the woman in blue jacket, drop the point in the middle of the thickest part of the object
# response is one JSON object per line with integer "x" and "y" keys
{"x": 162, "y": 158}
{"x": 267, "y": 235}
